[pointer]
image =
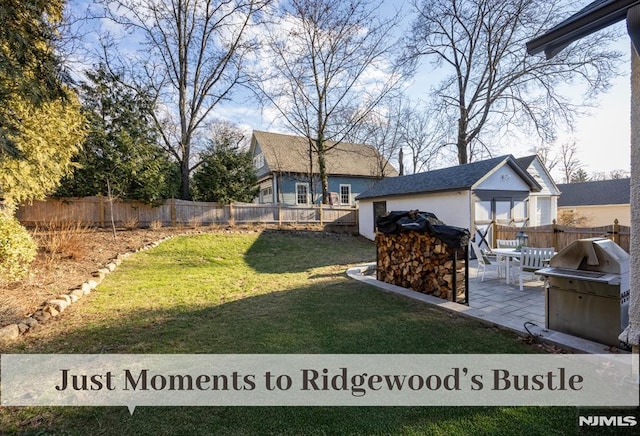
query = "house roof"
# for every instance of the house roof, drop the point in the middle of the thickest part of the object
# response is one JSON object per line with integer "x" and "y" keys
{"x": 290, "y": 154}
{"x": 526, "y": 163}
{"x": 602, "y": 192}
{"x": 595, "y": 16}
{"x": 460, "y": 177}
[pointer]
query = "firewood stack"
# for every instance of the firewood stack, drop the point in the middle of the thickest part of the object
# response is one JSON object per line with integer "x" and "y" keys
{"x": 421, "y": 262}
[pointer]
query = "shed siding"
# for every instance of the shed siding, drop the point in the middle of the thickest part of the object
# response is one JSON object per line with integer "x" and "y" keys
{"x": 453, "y": 208}
{"x": 503, "y": 179}
{"x": 543, "y": 179}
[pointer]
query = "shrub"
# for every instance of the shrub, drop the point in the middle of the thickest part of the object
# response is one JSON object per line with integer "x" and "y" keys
{"x": 66, "y": 239}
{"x": 17, "y": 248}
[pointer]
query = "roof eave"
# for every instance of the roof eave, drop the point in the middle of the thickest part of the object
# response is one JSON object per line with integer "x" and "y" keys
{"x": 589, "y": 20}
{"x": 405, "y": 194}
{"x": 513, "y": 163}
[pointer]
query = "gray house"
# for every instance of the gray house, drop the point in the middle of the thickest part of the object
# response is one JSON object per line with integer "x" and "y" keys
{"x": 503, "y": 189}
{"x": 285, "y": 175}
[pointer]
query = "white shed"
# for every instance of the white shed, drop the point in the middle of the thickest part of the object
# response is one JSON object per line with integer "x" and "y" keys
{"x": 469, "y": 196}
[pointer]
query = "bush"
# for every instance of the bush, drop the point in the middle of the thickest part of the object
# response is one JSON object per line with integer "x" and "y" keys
{"x": 17, "y": 248}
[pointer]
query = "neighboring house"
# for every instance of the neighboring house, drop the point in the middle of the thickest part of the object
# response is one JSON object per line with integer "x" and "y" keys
{"x": 468, "y": 196}
{"x": 599, "y": 203}
{"x": 283, "y": 169}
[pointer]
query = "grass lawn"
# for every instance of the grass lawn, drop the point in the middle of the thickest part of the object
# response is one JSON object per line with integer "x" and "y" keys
{"x": 269, "y": 292}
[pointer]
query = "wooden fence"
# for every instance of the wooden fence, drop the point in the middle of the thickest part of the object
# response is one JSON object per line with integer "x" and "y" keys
{"x": 558, "y": 236}
{"x": 98, "y": 211}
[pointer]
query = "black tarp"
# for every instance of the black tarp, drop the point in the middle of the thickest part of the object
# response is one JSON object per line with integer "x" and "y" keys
{"x": 423, "y": 222}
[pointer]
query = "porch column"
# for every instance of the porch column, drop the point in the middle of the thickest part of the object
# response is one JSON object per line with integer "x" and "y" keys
{"x": 631, "y": 335}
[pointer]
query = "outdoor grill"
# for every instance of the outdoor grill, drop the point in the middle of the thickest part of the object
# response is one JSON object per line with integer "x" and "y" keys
{"x": 587, "y": 290}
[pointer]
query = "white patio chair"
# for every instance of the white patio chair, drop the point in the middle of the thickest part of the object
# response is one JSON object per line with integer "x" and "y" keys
{"x": 531, "y": 260}
{"x": 485, "y": 262}
{"x": 506, "y": 243}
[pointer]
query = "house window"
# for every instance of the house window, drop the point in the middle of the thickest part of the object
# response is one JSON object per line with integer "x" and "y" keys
{"x": 302, "y": 193}
{"x": 503, "y": 210}
{"x": 266, "y": 195}
{"x": 258, "y": 161}
{"x": 345, "y": 194}
{"x": 519, "y": 210}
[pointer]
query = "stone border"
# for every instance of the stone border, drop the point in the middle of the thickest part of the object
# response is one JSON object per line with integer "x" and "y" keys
{"x": 53, "y": 307}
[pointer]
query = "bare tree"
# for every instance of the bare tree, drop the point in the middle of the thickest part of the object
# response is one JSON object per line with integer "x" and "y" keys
{"x": 547, "y": 156}
{"x": 381, "y": 130}
{"x": 422, "y": 134}
{"x": 569, "y": 161}
{"x": 490, "y": 82}
{"x": 329, "y": 66}
{"x": 190, "y": 57}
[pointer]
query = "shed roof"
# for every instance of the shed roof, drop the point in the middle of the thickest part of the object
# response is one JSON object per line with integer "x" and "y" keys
{"x": 460, "y": 177}
{"x": 290, "y": 154}
{"x": 597, "y": 193}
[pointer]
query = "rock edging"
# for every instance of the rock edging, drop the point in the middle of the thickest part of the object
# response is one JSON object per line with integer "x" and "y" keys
{"x": 53, "y": 307}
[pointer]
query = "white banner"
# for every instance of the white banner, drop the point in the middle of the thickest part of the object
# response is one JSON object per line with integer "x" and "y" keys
{"x": 318, "y": 380}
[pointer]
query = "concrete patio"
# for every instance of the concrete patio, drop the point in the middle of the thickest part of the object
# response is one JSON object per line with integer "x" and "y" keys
{"x": 494, "y": 302}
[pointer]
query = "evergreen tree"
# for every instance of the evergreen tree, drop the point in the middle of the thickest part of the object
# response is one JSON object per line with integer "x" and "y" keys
{"x": 41, "y": 125}
{"x": 121, "y": 151}
{"x": 225, "y": 175}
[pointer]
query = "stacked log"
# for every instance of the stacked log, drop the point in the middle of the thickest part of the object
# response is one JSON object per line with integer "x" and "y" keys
{"x": 420, "y": 262}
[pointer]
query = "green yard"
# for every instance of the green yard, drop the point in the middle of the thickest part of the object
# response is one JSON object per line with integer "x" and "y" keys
{"x": 269, "y": 292}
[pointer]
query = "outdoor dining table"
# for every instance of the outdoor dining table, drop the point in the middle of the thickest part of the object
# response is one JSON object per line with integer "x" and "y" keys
{"x": 509, "y": 253}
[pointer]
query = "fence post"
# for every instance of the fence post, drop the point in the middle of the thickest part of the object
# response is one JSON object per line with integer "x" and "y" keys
{"x": 554, "y": 233}
{"x": 101, "y": 211}
{"x": 232, "y": 219}
{"x": 616, "y": 231}
{"x": 494, "y": 233}
{"x": 279, "y": 215}
{"x": 172, "y": 204}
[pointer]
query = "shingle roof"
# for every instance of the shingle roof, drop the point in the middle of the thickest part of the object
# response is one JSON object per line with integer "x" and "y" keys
{"x": 617, "y": 191}
{"x": 526, "y": 161}
{"x": 460, "y": 177}
{"x": 289, "y": 153}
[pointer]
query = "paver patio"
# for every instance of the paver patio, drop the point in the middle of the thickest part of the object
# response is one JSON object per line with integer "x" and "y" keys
{"x": 495, "y": 302}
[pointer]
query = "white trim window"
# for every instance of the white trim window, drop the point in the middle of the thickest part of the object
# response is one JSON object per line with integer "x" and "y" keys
{"x": 302, "y": 193}
{"x": 258, "y": 161}
{"x": 345, "y": 194}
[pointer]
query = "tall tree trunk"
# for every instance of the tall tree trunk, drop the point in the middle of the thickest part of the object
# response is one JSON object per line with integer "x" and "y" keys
{"x": 322, "y": 167}
{"x": 324, "y": 179}
{"x": 462, "y": 144}
{"x": 184, "y": 179}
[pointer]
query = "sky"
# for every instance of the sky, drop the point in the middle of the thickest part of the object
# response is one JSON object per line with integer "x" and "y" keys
{"x": 602, "y": 138}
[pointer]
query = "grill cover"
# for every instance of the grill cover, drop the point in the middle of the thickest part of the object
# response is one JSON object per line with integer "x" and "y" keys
{"x": 593, "y": 254}
{"x": 423, "y": 222}
{"x": 587, "y": 290}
